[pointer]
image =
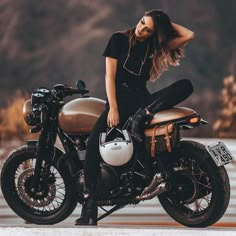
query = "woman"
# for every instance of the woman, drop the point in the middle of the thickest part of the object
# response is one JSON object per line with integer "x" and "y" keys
{"x": 132, "y": 58}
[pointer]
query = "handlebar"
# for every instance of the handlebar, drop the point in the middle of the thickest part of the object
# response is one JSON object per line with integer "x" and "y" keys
{"x": 63, "y": 91}
{"x": 59, "y": 92}
{"x": 71, "y": 91}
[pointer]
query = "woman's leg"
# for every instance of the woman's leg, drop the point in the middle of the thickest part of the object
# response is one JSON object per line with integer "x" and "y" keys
{"x": 91, "y": 173}
{"x": 161, "y": 100}
{"x": 92, "y": 158}
{"x": 169, "y": 96}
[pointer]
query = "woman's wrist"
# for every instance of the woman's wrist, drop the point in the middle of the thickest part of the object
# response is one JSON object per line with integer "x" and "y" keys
{"x": 113, "y": 108}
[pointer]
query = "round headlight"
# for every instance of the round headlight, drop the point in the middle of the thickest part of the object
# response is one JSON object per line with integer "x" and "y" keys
{"x": 28, "y": 114}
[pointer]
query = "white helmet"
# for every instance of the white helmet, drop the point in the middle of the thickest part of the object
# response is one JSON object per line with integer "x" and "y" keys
{"x": 116, "y": 148}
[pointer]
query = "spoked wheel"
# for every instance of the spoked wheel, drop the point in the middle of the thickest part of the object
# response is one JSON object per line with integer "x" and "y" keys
{"x": 200, "y": 190}
{"x": 52, "y": 202}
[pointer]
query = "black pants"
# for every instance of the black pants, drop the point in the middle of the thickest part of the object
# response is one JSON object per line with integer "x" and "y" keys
{"x": 129, "y": 100}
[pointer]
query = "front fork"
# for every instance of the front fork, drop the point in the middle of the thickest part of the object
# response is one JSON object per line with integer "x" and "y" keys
{"x": 44, "y": 152}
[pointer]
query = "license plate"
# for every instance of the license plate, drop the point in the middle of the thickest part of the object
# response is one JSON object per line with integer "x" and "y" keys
{"x": 219, "y": 153}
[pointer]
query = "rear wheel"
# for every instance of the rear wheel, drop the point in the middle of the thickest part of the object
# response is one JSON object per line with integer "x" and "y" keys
{"x": 200, "y": 190}
{"x": 53, "y": 201}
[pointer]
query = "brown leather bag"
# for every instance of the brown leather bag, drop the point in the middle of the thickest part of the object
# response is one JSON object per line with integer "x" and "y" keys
{"x": 162, "y": 138}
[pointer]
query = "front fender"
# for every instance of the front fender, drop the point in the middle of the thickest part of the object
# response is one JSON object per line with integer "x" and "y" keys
{"x": 32, "y": 143}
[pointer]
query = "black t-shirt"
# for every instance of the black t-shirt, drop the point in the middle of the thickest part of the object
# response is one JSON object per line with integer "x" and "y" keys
{"x": 130, "y": 70}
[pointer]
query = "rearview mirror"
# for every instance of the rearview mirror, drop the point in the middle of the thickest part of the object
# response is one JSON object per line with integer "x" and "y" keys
{"x": 80, "y": 85}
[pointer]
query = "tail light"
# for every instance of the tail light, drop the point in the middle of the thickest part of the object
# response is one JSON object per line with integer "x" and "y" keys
{"x": 194, "y": 120}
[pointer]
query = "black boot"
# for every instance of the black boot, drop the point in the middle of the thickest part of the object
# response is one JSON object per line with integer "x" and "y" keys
{"x": 137, "y": 122}
{"x": 89, "y": 212}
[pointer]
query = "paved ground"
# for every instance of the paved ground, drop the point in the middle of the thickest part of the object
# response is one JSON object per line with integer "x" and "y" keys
{"x": 148, "y": 213}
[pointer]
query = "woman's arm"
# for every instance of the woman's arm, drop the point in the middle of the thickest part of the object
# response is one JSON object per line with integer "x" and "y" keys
{"x": 113, "y": 115}
{"x": 184, "y": 36}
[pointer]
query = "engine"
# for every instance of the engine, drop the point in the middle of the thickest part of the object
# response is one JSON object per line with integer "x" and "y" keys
{"x": 106, "y": 183}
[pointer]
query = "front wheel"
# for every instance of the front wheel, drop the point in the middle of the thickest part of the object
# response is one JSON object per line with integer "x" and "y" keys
{"x": 200, "y": 190}
{"x": 53, "y": 202}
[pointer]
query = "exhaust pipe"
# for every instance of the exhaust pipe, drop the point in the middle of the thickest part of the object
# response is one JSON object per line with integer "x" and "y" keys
{"x": 155, "y": 182}
{"x": 161, "y": 188}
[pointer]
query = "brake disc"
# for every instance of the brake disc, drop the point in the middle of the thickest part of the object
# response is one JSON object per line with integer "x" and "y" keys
{"x": 40, "y": 198}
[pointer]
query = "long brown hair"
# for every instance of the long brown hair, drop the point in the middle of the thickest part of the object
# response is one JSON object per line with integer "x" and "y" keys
{"x": 163, "y": 32}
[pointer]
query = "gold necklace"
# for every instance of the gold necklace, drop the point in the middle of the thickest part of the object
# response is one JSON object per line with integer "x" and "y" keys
{"x": 142, "y": 62}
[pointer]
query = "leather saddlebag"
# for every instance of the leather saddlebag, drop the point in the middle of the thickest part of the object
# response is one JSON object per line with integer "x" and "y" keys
{"x": 162, "y": 139}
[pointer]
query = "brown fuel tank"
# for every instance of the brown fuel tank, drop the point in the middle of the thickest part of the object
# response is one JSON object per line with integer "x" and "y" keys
{"x": 80, "y": 115}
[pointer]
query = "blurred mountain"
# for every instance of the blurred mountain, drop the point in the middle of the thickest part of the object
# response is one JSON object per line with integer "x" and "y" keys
{"x": 47, "y": 42}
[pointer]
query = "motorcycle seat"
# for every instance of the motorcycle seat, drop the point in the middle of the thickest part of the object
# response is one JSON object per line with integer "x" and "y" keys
{"x": 172, "y": 114}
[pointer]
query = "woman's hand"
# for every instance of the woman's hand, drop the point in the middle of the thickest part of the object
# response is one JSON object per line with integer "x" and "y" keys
{"x": 113, "y": 118}
{"x": 185, "y": 35}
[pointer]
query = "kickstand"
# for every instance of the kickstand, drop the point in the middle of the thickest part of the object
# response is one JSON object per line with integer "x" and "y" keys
{"x": 115, "y": 208}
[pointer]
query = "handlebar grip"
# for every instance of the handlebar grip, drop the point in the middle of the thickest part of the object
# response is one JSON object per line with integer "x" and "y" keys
{"x": 72, "y": 91}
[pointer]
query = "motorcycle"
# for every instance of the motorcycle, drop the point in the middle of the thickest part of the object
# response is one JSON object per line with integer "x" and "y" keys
{"x": 43, "y": 180}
